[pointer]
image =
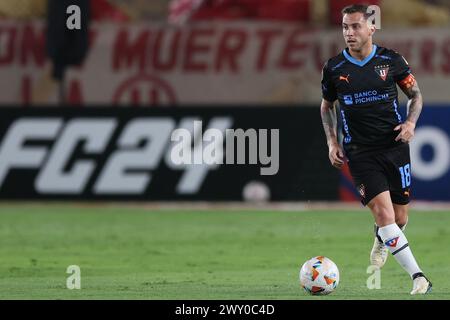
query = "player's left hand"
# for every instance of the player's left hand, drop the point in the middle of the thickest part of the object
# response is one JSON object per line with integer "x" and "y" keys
{"x": 406, "y": 131}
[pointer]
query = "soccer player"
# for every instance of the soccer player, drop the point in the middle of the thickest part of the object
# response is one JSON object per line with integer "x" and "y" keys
{"x": 363, "y": 78}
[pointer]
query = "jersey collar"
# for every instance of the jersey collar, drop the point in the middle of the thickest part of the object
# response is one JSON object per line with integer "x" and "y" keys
{"x": 362, "y": 62}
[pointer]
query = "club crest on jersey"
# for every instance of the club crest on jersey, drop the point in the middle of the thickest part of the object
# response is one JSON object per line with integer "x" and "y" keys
{"x": 382, "y": 71}
{"x": 392, "y": 242}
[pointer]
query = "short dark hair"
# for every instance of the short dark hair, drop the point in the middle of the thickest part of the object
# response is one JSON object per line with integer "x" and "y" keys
{"x": 361, "y": 8}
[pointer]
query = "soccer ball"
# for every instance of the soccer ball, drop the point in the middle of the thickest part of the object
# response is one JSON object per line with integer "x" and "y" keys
{"x": 319, "y": 276}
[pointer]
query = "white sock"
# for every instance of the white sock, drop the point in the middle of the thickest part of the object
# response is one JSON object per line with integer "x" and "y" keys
{"x": 376, "y": 228}
{"x": 403, "y": 227}
{"x": 396, "y": 242}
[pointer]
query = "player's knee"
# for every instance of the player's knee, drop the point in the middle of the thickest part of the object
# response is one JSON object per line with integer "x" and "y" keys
{"x": 384, "y": 217}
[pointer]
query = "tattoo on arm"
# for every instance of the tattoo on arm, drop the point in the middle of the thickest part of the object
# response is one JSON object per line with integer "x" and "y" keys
{"x": 328, "y": 114}
{"x": 415, "y": 103}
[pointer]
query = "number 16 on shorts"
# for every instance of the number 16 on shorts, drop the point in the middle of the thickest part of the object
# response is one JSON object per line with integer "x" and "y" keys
{"x": 405, "y": 173}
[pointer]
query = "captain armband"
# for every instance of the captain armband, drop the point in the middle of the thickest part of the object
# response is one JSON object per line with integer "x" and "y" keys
{"x": 408, "y": 82}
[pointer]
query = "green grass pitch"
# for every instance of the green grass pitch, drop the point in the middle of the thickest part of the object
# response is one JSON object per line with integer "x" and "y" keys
{"x": 127, "y": 252}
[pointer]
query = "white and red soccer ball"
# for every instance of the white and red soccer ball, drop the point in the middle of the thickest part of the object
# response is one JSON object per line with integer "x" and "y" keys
{"x": 319, "y": 276}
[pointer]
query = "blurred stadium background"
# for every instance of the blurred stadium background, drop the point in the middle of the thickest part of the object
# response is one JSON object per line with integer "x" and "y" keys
{"x": 85, "y": 123}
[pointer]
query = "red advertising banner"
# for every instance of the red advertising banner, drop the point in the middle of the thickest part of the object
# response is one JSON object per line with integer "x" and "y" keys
{"x": 203, "y": 63}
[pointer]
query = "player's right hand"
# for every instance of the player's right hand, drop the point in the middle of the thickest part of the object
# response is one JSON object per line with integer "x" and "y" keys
{"x": 336, "y": 155}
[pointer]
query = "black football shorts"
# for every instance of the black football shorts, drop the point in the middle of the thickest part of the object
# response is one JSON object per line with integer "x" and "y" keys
{"x": 389, "y": 170}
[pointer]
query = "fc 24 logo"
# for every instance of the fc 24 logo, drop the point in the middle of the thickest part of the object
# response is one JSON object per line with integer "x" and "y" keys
{"x": 67, "y": 166}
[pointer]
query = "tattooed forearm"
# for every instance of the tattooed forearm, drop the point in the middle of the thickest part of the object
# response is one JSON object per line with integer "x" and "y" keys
{"x": 329, "y": 123}
{"x": 415, "y": 102}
